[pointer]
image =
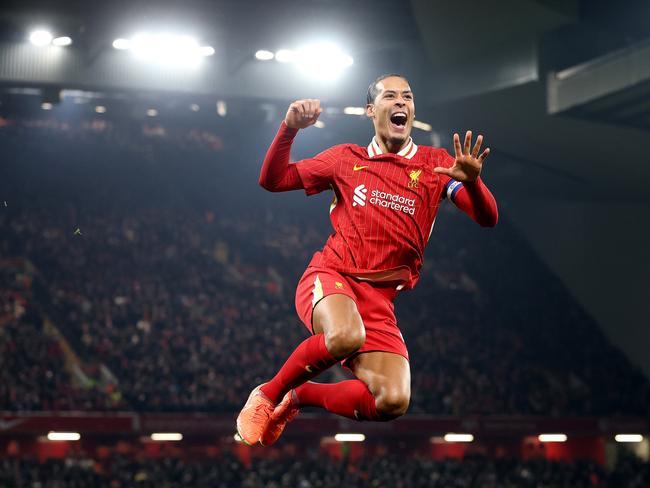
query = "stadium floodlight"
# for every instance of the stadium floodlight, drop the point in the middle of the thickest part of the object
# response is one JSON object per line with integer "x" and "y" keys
{"x": 40, "y": 37}
{"x": 152, "y": 112}
{"x": 349, "y": 437}
{"x": 162, "y": 48}
{"x": 166, "y": 436}
{"x": 452, "y": 437}
{"x": 628, "y": 438}
{"x": 264, "y": 55}
{"x": 122, "y": 44}
{"x": 100, "y": 109}
{"x": 63, "y": 436}
{"x": 285, "y": 56}
{"x": 165, "y": 49}
{"x": 354, "y": 110}
{"x": 323, "y": 61}
{"x": 552, "y": 438}
{"x": 62, "y": 41}
{"x": 46, "y": 106}
{"x": 422, "y": 126}
{"x": 222, "y": 108}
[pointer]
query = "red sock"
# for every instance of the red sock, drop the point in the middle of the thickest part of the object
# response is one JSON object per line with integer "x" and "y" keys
{"x": 308, "y": 360}
{"x": 351, "y": 399}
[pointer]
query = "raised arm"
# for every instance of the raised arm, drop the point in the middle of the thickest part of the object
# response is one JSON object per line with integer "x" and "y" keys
{"x": 476, "y": 201}
{"x": 472, "y": 197}
{"x": 277, "y": 174}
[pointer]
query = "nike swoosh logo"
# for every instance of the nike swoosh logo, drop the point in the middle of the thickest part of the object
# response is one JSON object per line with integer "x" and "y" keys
{"x": 358, "y": 168}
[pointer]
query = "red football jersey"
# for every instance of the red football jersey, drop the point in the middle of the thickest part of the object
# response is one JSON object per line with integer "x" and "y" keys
{"x": 384, "y": 207}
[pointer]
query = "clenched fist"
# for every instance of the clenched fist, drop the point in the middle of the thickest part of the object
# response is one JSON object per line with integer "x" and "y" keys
{"x": 303, "y": 113}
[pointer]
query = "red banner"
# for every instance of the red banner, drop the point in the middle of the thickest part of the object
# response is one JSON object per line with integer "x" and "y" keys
{"x": 205, "y": 424}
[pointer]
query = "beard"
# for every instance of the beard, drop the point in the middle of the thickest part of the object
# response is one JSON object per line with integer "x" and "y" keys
{"x": 398, "y": 140}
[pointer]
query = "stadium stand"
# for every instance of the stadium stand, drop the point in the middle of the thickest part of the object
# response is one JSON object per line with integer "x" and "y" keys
{"x": 177, "y": 294}
{"x": 311, "y": 470}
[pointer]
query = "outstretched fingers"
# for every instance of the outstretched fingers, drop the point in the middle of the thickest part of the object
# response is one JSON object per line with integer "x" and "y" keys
{"x": 477, "y": 146}
{"x": 468, "y": 142}
{"x": 442, "y": 170}
{"x": 457, "y": 148}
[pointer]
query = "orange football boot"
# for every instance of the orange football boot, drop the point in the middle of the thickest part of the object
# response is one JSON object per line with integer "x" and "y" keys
{"x": 254, "y": 417}
{"x": 284, "y": 413}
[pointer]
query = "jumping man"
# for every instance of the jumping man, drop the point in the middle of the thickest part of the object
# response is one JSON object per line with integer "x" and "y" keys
{"x": 386, "y": 198}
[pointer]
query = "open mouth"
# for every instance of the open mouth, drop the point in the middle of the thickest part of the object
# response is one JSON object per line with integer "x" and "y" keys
{"x": 398, "y": 120}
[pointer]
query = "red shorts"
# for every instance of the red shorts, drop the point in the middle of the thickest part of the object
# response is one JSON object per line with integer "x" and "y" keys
{"x": 374, "y": 302}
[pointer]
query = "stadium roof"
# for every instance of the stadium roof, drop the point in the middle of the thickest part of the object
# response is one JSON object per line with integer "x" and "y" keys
{"x": 472, "y": 64}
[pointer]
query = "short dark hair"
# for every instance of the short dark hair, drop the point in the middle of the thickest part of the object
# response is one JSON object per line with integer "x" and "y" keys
{"x": 372, "y": 89}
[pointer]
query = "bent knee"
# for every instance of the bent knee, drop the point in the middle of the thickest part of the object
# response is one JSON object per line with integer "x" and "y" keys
{"x": 392, "y": 403}
{"x": 343, "y": 341}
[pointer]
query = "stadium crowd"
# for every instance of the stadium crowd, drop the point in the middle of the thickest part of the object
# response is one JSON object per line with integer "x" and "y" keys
{"x": 185, "y": 292}
{"x": 314, "y": 471}
{"x": 32, "y": 372}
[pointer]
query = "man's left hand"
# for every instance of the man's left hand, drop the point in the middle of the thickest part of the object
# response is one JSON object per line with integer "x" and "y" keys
{"x": 467, "y": 166}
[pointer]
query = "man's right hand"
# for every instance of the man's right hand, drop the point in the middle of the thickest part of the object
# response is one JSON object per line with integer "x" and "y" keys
{"x": 303, "y": 113}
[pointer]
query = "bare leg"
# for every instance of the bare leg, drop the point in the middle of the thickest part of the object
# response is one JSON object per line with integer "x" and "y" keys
{"x": 382, "y": 390}
{"x": 339, "y": 333}
{"x": 388, "y": 377}
{"x": 337, "y": 317}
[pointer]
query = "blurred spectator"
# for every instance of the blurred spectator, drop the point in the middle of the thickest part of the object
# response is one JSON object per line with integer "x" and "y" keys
{"x": 309, "y": 470}
{"x": 159, "y": 261}
{"x": 32, "y": 373}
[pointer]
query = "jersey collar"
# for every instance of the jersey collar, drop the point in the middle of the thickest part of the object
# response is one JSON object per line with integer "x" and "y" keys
{"x": 408, "y": 151}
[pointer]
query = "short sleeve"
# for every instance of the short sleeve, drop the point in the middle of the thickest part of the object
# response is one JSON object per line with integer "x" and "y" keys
{"x": 317, "y": 173}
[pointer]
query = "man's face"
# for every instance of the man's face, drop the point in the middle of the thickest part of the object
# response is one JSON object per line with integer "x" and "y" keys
{"x": 393, "y": 110}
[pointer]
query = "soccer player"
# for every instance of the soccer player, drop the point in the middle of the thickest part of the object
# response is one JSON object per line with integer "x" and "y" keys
{"x": 386, "y": 197}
